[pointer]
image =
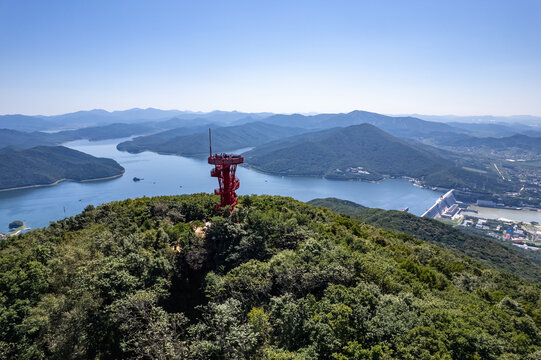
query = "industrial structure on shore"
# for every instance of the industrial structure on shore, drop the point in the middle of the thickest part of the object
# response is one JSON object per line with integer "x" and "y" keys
{"x": 445, "y": 207}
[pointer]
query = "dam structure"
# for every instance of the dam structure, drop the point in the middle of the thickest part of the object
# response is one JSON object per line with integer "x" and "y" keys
{"x": 445, "y": 207}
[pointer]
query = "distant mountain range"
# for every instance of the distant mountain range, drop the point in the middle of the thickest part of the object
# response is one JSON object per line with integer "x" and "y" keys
{"x": 402, "y": 126}
{"x": 483, "y": 119}
{"x": 45, "y": 165}
{"x": 363, "y": 152}
{"x": 194, "y": 141}
{"x": 100, "y": 117}
{"x": 407, "y": 127}
{"x": 30, "y": 139}
{"x": 520, "y": 142}
{"x": 356, "y": 145}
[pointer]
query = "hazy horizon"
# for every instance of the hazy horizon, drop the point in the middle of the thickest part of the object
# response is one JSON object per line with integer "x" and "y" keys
{"x": 511, "y": 117}
{"x": 419, "y": 57}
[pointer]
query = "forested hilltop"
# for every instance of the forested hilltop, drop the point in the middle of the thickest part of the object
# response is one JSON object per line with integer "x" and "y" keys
{"x": 170, "y": 278}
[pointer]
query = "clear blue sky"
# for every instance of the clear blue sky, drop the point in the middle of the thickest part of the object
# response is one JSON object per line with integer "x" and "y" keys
{"x": 434, "y": 57}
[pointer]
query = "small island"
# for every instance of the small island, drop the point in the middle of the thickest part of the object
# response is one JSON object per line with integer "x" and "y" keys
{"x": 15, "y": 228}
{"x": 15, "y": 224}
{"x": 50, "y": 165}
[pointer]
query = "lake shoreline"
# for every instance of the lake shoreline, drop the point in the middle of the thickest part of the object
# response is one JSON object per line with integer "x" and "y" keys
{"x": 415, "y": 182}
{"x": 526, "y": 216}
{"x": 62, "y": 180}
{"x": 174, "y": 175}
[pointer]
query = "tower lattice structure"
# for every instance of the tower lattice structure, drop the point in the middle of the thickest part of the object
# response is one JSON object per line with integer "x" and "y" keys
{"x": 225, "y": 167}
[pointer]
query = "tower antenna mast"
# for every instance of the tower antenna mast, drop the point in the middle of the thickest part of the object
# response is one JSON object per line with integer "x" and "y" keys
{"x": 210, "y": 144}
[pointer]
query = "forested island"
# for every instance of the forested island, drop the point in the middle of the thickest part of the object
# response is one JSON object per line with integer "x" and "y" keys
{"x": 48, "y": 165}
{"x": 171, "y": 278}
{"x": 15, "y": 224}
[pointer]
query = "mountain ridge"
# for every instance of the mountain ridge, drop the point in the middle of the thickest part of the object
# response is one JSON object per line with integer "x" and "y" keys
{"x": 195, "y": 142}
{"x": 364, "y": 152}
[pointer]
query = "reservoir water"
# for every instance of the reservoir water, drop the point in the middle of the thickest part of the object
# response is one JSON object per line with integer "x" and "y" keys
{"x": 171, "y": 175}
{"x": 515, "y": 215}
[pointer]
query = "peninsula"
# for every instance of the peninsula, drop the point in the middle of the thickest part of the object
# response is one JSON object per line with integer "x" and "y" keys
{"x": 49, "y": 165}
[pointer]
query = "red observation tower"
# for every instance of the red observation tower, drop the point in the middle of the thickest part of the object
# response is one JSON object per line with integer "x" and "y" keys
{"x": 225, "y": 166}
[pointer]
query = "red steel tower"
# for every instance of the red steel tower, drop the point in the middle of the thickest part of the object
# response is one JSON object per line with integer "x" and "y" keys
{"x": 225, "y": 166}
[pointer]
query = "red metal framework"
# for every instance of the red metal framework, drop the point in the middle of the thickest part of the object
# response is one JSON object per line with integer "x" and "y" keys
{"x": 225, "y": 166}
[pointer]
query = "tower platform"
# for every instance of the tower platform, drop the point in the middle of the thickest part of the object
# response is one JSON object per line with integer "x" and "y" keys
{"x": 225, "y": 167}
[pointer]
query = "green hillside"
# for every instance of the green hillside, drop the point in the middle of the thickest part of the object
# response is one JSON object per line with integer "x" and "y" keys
{"x": 278, "y": 279}
{"x": 44, "y": 165}
{"x": 188, "y": 142}
{"x": 158, "y": 140}
{"x": 367, "y": 153}
{"x": 361, "y": 145}
{"x": 488, "y": 251}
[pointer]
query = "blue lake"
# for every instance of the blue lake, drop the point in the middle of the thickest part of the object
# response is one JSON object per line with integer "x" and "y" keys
{"x": 170, "y": 175}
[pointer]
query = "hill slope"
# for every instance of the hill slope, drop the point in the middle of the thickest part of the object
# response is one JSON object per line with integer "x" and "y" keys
{"x": 278, "y": 279}
{"x": 44, "y": 165}
{"x": 367, "y": 153}
{"x": 491, "y": 252}
{"x": 190, "y": 142}
{"x": 25, "y": 140}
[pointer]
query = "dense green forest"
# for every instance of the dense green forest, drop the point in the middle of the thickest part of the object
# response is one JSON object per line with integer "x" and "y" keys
{"x": 43, "y": 165}
{"x": 171, "y": 278}
{"x": 526, "y": 264}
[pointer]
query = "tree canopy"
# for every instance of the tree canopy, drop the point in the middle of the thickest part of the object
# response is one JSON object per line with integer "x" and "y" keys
{"x": 171, "y": 278}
